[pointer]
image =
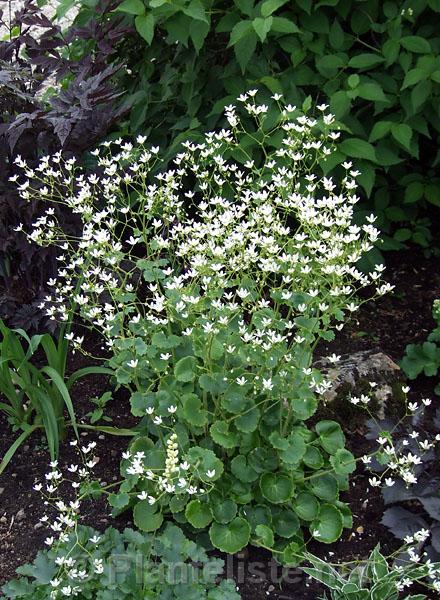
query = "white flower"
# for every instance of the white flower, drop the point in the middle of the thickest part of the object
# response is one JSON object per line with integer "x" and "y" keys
{"x": 267, "y": 384}
{"x": 405, "y": 389}
{"x": 374, "y": 482}
{"x": 210, "y": 474}
{"x": 334, "y": 358}
{"x": 172, "y": 409}
{"x": 133, "y": 363}
{"x": 95, "y": 539}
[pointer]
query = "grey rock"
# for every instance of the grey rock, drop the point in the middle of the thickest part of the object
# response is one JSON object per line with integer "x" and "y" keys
{"x": 352, "y": 374}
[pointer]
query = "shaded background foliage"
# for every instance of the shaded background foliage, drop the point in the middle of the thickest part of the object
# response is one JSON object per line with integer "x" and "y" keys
{"x": 175, "y": 65}
{"x": 376, "y": 63}
{"x": 35, "y": 121}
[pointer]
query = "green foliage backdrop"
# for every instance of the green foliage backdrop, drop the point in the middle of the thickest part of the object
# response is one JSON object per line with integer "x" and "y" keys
{"x": 375, "y": 63}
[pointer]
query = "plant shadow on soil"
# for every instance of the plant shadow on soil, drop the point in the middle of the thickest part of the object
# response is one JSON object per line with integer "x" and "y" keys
{"x": 389, "y": 325}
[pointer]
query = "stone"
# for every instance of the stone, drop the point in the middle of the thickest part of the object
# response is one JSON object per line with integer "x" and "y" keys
{"x": 352, "y": 375}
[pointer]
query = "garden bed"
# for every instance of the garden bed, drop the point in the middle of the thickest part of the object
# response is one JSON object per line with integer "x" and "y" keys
{"x": 387, "y": 325}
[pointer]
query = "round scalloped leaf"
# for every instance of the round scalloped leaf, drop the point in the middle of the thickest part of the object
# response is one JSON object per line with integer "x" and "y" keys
{"x": 242, "y": 471}
{"x": 192, "y": 410}
{"x": 313, "y": 458}
{"x": 264, "y": 536}
{"x": 327, "y": 528}
{"x": 184, "y": 370}
{"x": 276, "y": 488}
{"x": 232, "y": 537}
{"x": 257, "y": 515}
{"x": 178, "y": 503}
{"x": 205, "y": 461}
{"x": 306, "y": 506}
{"x": 263, "y": 459}
{"x": 224, "y": 511}
{"x": 325, "y": 487}
{"x": 248, "y": 421}
{"x": 285, "y": 523}
{"x": 146, "y": 516}
{"x": 293, "y": 554}
{"x": 343, "y": 462}
{"x": 331, "y": 436}
{"x": 222, "y": 435}
{"x": 198, "y": 514}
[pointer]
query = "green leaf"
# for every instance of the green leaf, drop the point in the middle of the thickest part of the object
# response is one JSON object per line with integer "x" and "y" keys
{"x": 331, "y": 436}
{"x": 265, "y": 536}
{"x": 432, "y": 193}
{"x": 145, "y": 26}
{"x": 198, "y": 514}
{"x": 239, "y": 31}
{"x": 283, "y": 25}
{"x": 415, "y": 43}
{"x": 313, "y": 458}
{"x": 184, "y": 370}
{"x": 270, "y": 6}
{"x": 242, "y": 471}
{"x": 327, "y": 528}
{"x": 371, "y": 91}
{"x": 224, "y": 511}
{"x": 340, "y": 104}
{"x": 413, "y": 192}
{"x": 353, "y": 80}
{"x": 192, "y": 410}
{"x": 380, "y": 130}
{"x": 336, "y": 35}
{"x": 119, "y": 501}
{"x": 402, "y": 133}
{"x": 325, "y": 487}
{"x": 276, "y": 487}
{"x": 343, "y": 462}
{"x": 365, "y": 61}
{"x": 357, "y": 148}
{"x": 420, "y": 94}
{"x": 146, "y": 516}
{"x": 286, "y": 523}
{"x": 262, "y": 27}
{"x": 216, "y": 349}
{"x": 329, "y": 64}
{"x": 205, "y": 461}
{"x": 132, "y": 7}
{"x": 414, "y": 76}
{"x": 221, "y": 435}
{"x": 306, "y": 506}
{"x": 232, "y": 537}
{"x": 196, "y": 10}
{"x": 244, "y": 49}
{"x": 248, "y": 421}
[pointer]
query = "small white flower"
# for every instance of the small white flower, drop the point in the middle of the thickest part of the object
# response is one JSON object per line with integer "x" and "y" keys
{"x": 133, "y": 363}
{"x": 374, "y": 482}
{"x": 172, "y": 409}
{"x": 210, "y": 474}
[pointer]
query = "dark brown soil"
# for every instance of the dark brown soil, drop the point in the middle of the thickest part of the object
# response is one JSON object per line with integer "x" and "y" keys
{"x": 389, "y": 325}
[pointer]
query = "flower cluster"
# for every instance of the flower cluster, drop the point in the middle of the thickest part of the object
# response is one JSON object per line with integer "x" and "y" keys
{"x": 399, "y": 452}
{"x": 69, "y": 575}
{"x": 211, "y": 282}
{"x": 262, "y": 234}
